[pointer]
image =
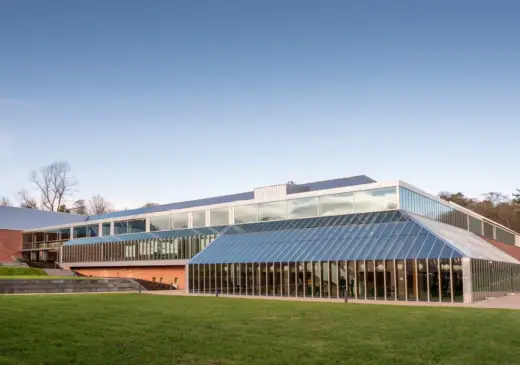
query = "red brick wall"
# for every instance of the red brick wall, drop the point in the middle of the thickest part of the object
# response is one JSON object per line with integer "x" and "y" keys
{"x": 10, "y": 244}
{"x": 167, "y": 273}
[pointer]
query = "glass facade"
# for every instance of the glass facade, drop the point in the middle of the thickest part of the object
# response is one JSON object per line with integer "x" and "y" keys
{"x": 246, "y": 213}
{"x": 179, "y": 221}
{"x": 302, "y": 208}
{"x": 199, "y": 219}
{"x": 168, "y": 248}
{"x": 159, "y": 223}
{"x": 337, "y": 204}
{"x": 219, "y": 217}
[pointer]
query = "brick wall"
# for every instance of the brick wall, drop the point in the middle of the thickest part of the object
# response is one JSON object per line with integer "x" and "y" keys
{"x": 10, "y": 244}
{"x": 167, "y": 273}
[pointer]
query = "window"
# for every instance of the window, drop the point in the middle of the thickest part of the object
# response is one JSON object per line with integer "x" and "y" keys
{"x": 93, "y": 230}
{"x": 302, "y": 208}
{"x": 488, "y": 230}
{"x": 219, "y": 217}
{"x": 199, "y": 219}
{"x": 65, "y": 234}
{"x": 39, "y": 236}
{"x": 80, "y": 232}
{"x": 51, "y": 236}
{"x": 505, "y": 237}
{"x": 180, "y": 221}
{"x": 337, "y": 204}
{"x": 272, "y": 211}
{"x": 375, "y": 200}
{"x": 475, "y": 225}
{"x": 137, "y": 226}
{"x": 121, "y": 227}
{"x": 246, "y": 214}
{"x": 160, "y": 223}
{"x": 106, "y": 229}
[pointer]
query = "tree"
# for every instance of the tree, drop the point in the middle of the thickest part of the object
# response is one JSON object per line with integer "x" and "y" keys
{"x": 457, "y": 198}
{"x": 495, "y": 198}
{"x": 98, "y": 205}
{"x": 55, "y": 182}
{"x": 63, "y": 209}
{"x": 149, "y": 205}
{"x": 26, "y": 200}
{"x": 516, "y": 197}
{"x": 4, "y": 201}
{"x": 79, "y": 207}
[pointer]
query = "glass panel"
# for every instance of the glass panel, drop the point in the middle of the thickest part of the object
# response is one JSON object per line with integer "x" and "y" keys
{"x": 488, "y": 230}
{"x": 199, "y": 219}
{"x": 390, "y": 280}
{"x": 302, "y": 208}
{"x": 272, "y": 211}
{"x": 179, "y": 221}
{"x": 219, "y": 217}
{"x": 422, "y": 280}
{"x": 381, "y": 279}
{"x": 137, "y": 226}
{"x": 445, "y": 280}
{"x": 52, "y": 236}
{"x": 457, "y": 280}
{"x": 334, "y": 277}
{"x": 504, "y": 236}
{"x": 336, "y": 204}
{"x": 65, "y": 234}
{"x": 121, "y": 227}
{"x": 160, "y": 223}
{"x": 400, "y": 284}
{"x": 411, "y": 280}
{"x": 375, "y": 200}
{"x": 106, "y": 229}
{"x": 316, "y": 279}
{"x": 246, "y": 214}
{"x": 325, "y": 279}
{"x": 360, "y": 280}
{"x": 370, "y": 282}
{"x": 434, "y": 279}
{"x": 93, "y": 230}
{"x": 79, "y": 232}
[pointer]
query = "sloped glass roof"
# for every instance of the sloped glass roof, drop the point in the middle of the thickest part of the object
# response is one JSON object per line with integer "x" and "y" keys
{"x": 381, "y": 235}
{"x": 469, "y": 244}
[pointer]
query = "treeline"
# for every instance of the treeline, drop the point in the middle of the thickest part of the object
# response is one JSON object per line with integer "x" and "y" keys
{"x": 495, "y": 206}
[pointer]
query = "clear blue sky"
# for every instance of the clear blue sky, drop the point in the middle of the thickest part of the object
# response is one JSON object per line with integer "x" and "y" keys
{"x": 174, "y": 100}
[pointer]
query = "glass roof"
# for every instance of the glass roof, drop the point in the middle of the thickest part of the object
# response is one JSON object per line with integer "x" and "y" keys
{"x": 381, "y": 235}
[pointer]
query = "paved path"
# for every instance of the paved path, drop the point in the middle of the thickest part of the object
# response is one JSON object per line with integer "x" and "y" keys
{"x": 507, "y": 302}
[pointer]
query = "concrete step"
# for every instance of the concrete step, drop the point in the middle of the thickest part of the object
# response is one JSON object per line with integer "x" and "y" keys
{"x": 59, "y": 272}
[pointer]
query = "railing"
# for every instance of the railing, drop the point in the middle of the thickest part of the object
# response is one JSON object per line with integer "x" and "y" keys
{"x": 42, "y": 246}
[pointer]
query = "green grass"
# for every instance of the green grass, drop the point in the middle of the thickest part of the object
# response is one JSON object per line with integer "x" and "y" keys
{"x": 21, "y": 271}
{"x": 147, "y": 329}
{"x": 30, "y": 277}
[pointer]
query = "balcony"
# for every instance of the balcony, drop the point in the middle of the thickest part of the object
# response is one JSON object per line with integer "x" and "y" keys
{"x": 42, "y": 246}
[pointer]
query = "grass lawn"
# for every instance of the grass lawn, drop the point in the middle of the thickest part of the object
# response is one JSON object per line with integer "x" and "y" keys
{"x": 31, "y": 277}
{"x": 149, "y": 329}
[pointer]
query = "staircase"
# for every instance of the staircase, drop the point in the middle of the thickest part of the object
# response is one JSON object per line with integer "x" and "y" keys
{"x": 13, "y": 264}
{"x": 59, "y": 272}
{"x": 20, "y": 286}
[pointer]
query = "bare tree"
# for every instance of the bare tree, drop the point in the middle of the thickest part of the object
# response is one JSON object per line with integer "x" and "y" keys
{"x": 55, "y": 182}
{"x": 149, "y": 205}
{"x": 4, "y": 201}
{"x": 99, "y": 205}
{"x": 27, "y": 201}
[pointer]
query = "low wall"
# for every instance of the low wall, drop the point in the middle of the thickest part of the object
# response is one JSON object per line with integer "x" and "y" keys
{"x": 164, "y": 274}
{"x": 20, "y": 286}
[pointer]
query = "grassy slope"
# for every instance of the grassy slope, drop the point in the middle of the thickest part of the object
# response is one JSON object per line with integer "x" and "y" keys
{"x": 146, "y": 329}
{"x": 21, "y": 271}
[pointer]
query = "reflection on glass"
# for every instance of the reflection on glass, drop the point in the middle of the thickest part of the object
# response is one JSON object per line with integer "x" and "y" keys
{"x": 422, "y": 280}
{"x": 137, "y": 226}
{"x": 246, "y": 214}
{"x": 106, "y": 229}
{"x": 433, "y": 272}
{"x": 375, "y": 200}
{"x": 65, "y": 234}
{"x": 219, "y": 217}
{"x": 302, "y": 208}
{"x": 401, "y": 288}
{"x": 272, "y": 211}
{"x": 79, "y": 232}
{"x": 458, "y": 294}
{"x": 120, "y": 227}
{"x": 199, "y": 219}
{"x": 159, "y": 223}
{"x": 179, "y": 221}
{"x": 475, "y": 225}
{"x": 93, "y": 230}
{"x": 336, "y": 204}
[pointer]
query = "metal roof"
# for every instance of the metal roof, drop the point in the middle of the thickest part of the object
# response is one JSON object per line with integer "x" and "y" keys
{"x": 249, "y": 195}
{"x": 14, "y": 218}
